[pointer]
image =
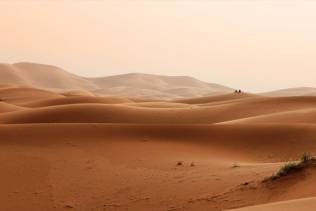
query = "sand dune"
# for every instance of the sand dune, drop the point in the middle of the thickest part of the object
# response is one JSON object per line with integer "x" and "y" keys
{"x": 250, "y": 143}
{"x": 77, "y": 100}
{"x": 6, "y": 107}
{"x": 256, "y": 192}
{"x": 299, "y": 91}
{"x": 147, "y": 176}
{"x": 163, "y": 87}
{"x": 65, "y": 111}
{"x": 293, "y": 205}
{"x": 127, "y": 85}
{"x": 155, "y": 82}
{"x": 297, "y": 116}
{"x": 78, "y": 93}
{"x": 161, "y": 104}
{"x": 41, "y": 76}
{"x": 212, "y": 99}
{"x": 23, "y": 95}
{"x": 81, "y": 152}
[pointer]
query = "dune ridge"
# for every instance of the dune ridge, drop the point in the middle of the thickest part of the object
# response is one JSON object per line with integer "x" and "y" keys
{"x": 297, "y": 116}
{"x": 132, "y": 153}
{"x": 6, "y": 107}
{"x": 297, "y": 91}
{"x": 127, "y": 85}
{"x": 118, "y": 110}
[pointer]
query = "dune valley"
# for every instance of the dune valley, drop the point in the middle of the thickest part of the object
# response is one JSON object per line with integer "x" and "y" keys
{"x": 67, "y": 145}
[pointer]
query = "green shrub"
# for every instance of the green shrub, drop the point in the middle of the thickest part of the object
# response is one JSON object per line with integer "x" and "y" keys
{"x": 290, "y": 167}
{"x": 306, "y": 157}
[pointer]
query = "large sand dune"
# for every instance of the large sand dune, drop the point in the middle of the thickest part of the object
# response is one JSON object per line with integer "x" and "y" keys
{"x": 78, "y": 151}
{"x": 77, "y": 100}
{"x": 117, "y": 110}
{"x": 41, "y": 76}
{"x": 22, "y": 95}
{"x": 217, "y": 98}
{"x": 296, "y": 116}
{"x": 92, "y": 166}
{"x": 298, "y": 91}
{"x": 127, "y": 85}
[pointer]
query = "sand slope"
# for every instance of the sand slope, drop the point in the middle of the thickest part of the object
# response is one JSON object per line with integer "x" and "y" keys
{"x": 297, "y": 116}
{"x": 77, "y": 100}
{"x": 213, "y": 99}
{"x": 6, "y": 107}
{"x": 22, "y": 95}
{"x": 293, "y": 205}
{"x": 160, "y": 86}
{"x": 87, "y": 152}
{"x": 41, "y": 76}
{"x": 102, "y": 110}
{"x": 127, "y": 85}
{"x": 298, "y": 91}
{"x": 138, "y": 164}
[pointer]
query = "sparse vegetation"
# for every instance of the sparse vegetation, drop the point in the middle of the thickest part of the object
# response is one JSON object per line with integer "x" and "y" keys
{"x": 306, "y": 157}
{"x": 290, "y": 167}
{"x": 180, "y": 163}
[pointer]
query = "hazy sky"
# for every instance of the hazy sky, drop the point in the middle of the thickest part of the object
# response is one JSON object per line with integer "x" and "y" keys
{"x": 253, "y": 45}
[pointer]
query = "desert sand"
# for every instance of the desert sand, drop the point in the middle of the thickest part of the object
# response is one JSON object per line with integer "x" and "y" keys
{"x": 292, "y": 205}
{"x": 297, "y": 91}
{"x": 72, "y": 149}
{"x": 54, "y": 78}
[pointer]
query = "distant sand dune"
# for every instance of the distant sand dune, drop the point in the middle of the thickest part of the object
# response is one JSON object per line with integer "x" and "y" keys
{"x": 99, "y": 110}
{"x": 139, "y": 147}
{"x": 77, "y": 100}
{"x": 24, "y": 95}
{"x": 127, "y": 85}
{"x": 298, "y": 91}
{"x": 212, "y": 99}
{"x": 78, "y": 93}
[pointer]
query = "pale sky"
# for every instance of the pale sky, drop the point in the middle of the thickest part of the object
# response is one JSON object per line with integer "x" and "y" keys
{"x": 253, "y": 45}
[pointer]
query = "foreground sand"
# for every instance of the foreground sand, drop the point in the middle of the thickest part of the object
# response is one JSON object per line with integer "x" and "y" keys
{"x": 64, "y": 152}
{"x": 292, "y": 205}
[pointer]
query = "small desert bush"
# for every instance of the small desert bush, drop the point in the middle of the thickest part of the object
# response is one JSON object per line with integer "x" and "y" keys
{"x": 291, "y": 167}
{"x": 306, "y": 157}
{"x": 288, "y": 168}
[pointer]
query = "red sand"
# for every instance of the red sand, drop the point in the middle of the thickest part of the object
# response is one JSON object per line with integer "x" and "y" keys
{"x": 84, "y": 152}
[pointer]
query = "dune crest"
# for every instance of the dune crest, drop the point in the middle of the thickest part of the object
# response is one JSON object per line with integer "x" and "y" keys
{"x": 126, "y": 85}
{"x": 148, "y": 153}
{"x": 298, "y": 91}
